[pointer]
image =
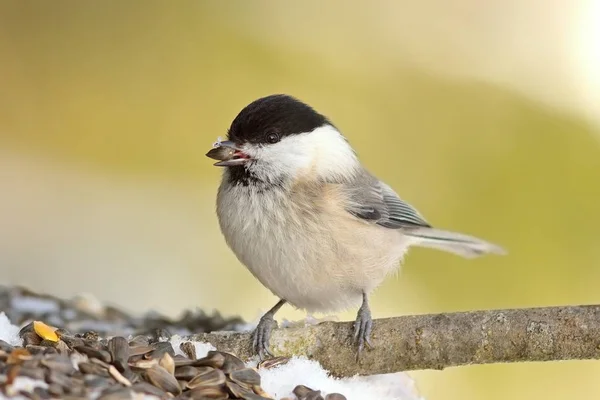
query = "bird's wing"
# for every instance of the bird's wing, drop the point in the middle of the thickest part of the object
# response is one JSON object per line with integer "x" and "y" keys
{"x": 372, "y": 200}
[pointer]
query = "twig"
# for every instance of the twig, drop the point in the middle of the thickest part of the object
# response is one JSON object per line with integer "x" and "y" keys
{"x": 437, "y": 341}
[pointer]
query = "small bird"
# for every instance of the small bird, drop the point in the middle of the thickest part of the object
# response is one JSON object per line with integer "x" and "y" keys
{"x": 317, "y": 229}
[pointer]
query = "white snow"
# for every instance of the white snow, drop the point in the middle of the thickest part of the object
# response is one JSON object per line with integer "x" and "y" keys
{"x": 202, "y": 349}
{"x": 281, "y": 380}
{"x": 9, "y": 332}
{"x": 22, "y": 383}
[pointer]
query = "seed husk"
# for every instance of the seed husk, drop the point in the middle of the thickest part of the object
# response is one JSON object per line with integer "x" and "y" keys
{"x": 188, "y": 349}
{"x": 112, "y": 370}
{"x": 158, "y": 376}
{"x": 215, "y": 377}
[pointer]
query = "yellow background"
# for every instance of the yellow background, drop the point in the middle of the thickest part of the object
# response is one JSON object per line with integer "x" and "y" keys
{"x": 475, "y": 112}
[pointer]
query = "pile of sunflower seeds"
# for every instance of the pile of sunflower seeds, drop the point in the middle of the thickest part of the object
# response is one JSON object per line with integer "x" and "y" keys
{"x": 87, "y": 366}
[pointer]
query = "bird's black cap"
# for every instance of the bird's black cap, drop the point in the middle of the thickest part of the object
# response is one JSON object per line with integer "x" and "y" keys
{"x": 275, "y": 114}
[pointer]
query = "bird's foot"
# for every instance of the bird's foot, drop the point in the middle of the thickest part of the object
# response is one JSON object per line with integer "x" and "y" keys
{"x": 262, "y": 335}
{"x": 362, "y": 328}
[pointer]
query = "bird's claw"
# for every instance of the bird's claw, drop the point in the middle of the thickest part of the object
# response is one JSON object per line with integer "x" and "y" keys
{"x": 262, "y": 336}
{"x": 362, "y": 329}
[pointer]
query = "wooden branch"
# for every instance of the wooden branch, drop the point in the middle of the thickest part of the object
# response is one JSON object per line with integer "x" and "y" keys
{"x": 437, "y": 341}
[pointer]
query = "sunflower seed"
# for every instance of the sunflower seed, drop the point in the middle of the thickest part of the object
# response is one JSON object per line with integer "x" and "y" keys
{"x": 58, "y": 363}
{"x": 232, "y": 363}
{"x": 188, "y": 349}
{"x": 33, "y": 373}
{"x": 213, "y": 359}
{"x": 94, "y": 353}
{"x": 147, "y": 388}
{"x": 139, "y": 350}
{"x": 55, "y": 389}
{"x": 119, "y": 352}
{"x": 139, "y": 340}
{"x": 207, "y": 392}
{"x": 247, "y": 377}
{"x": 187, "y": 372}
{"x": 335, "y": 396}
{"x": 116, "y": 393}
{"x": 93, "y": 368}
{"x": 273, "y": 362}
{"x": 158, "y": 376}
{"x": 97, "y": 382}
{"x": 31, "y": 338}
{"x": 236, "y": 390}
{"x": 167, "y": 362}
{"x": 214, "y": 377}
{"x": 306, "y": 393}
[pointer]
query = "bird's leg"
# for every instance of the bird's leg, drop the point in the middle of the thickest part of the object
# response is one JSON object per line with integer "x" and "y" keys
{"x": 362, "y": 326}
{"x": 262, "y": 333}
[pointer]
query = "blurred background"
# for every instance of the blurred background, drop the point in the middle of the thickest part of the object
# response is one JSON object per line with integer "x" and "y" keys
{"x": 485, "y": 115}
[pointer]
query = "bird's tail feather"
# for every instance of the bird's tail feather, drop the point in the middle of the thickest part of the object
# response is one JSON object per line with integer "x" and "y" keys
{"x": 457, "y": 243}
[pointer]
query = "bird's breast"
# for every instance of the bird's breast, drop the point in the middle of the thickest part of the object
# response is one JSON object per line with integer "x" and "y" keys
{"x": 301, "y": 244}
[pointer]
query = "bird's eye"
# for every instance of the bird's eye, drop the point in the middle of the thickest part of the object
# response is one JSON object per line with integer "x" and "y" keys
{"x": 272, "y": 138}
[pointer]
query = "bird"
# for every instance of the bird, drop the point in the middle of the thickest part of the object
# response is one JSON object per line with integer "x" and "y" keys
{"x": 301, "y": 213}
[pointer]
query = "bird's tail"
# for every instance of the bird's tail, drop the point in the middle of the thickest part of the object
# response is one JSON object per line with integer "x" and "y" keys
{"x": 457, "y": 243}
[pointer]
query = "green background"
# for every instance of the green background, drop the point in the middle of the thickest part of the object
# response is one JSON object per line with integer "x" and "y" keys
{"x": 112, "y": 105}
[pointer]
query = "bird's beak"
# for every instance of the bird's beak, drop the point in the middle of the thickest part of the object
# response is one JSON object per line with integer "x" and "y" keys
{"x": 228, "y": 154}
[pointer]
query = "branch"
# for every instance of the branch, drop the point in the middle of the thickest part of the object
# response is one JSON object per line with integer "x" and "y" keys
{"x": 436, "y": 341}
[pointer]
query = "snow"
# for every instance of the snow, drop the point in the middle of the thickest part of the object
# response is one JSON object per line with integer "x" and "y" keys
{"x": 202, "y": 349}
{"x": 24, "y": 384}
{"x": 281, "y": 380}
{"x": 9, "y": 332}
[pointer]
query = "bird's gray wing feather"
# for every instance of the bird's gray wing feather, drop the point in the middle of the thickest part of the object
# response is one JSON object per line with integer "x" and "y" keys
{"x": 373, "y": 200}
